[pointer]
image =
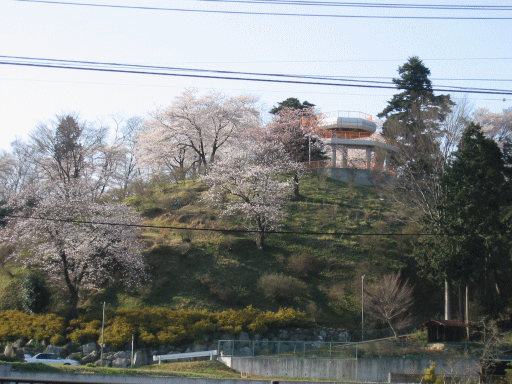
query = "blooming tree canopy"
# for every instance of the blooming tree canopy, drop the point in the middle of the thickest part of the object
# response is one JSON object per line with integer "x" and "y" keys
{"x": 497, "y": 126}
{"x": 254, "y": 178}
{"x": 198, "y": 126}
{"x": 59, "y": 229}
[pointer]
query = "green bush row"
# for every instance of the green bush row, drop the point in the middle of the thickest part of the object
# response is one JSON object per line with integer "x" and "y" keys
{"x": 151, "y": 326}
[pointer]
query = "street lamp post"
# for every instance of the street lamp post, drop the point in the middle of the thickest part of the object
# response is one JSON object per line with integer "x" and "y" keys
{"x": 362, "y": 308}
{"x": 102, "y": 333}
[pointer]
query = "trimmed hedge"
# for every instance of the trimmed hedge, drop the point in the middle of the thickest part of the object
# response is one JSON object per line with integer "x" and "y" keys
{"x": 152, "y": 326}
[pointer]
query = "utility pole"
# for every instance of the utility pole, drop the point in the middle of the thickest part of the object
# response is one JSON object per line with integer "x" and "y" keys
{"x": 362, "y": 308}
{"x": 133, "y": 342}
{"x": 102, "y": 334}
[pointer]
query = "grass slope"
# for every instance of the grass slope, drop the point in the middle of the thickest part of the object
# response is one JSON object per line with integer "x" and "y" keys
{"x": 318, "y": 273}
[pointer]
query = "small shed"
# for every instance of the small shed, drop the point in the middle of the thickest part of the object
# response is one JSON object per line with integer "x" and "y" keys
{"x": 445, "y": 330}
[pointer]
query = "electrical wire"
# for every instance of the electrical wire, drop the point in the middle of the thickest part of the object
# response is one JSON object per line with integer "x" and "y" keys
{"x": 145, "y": 8}
{"x": 369, "y": 5}
{"x": 216, "y": 74}
{"x": 234, "y": 230}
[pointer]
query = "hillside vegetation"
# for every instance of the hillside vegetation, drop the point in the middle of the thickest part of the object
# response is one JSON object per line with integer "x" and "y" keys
{"x": 317, "y": 273}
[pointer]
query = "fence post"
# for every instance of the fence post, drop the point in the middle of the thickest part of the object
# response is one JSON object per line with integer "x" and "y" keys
{"x": 330, "y": 349}
{"x": 304, "y": 349}
{"x": 357, "y": 344}
{"x": 278, "y": 345}
{"x": 254, "y": 341}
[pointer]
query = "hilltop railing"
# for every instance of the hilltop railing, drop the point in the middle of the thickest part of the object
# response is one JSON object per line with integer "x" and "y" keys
{"x": 360, "y": 115}
{"x": 348, "y": 350}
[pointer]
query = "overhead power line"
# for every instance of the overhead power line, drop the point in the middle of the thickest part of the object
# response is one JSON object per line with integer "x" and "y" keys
{"x": 223, "y": 75}
{"x": 145, "y": 8}
{"x": 369, "y": 5}
{"x": 234, "y": 230}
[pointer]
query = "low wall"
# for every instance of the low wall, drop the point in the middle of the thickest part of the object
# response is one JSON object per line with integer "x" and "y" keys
{"x": 357, "y": 176}
{"x": 374, "y": 370}
{"x": 7, "y": 372}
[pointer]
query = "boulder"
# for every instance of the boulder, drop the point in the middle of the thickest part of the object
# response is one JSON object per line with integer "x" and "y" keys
{"x": 75, "y": 356}
{"x": 199, "y": 348}
{"x": 71, "y": 347}
{"x": 246, "y": 351}
{"x": 106, "y": 363}
{"x": 88, "y": 348}
{"x": 9, "y": 351}
{"x": 120, "y": 355}
{"x": 120, "y": 363}
{"x": 139, "y": 359}
{"x": 90, "y": 358}
{"x": 59, "y": 351}
{"x": 28, "y": 350}
{"x": 283, "y": 334}
{"x": 227, "y": 336}
{"x": 18, "y": 344}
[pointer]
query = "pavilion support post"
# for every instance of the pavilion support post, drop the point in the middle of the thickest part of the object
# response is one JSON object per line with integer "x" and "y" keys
{"x": 368, "y": 158}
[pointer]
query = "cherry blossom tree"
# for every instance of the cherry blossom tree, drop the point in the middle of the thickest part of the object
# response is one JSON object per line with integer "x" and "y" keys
{"x": 126, "y": 139}
{"x": 253, "y": 180}
{"x": 59, "y": 229}
{"x": 158, "y": 151}
{"x": 199, "y": 126}
{"x": 67, "y": 148}
{"x": 17, "y": 171}
{"x": 294, "y": 129}
{"x": 497, "y": 126}
{"x": 388, "y": 300}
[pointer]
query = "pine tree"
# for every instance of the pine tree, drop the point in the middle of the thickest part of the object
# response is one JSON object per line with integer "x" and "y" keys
{"x": 473, "y": 232}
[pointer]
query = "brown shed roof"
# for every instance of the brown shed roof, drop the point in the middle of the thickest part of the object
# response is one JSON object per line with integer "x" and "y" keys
{"x": 451, "y": 323}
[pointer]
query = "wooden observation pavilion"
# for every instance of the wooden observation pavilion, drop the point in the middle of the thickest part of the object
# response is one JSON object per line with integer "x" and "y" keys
{"x": 357, "y": 153}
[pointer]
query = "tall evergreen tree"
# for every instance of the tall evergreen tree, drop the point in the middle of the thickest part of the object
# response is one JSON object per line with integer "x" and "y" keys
{"x": 416, "y": 123}
{"x": 292, "y": 103}
{"x": 474, "y": 241}
{"x": 416, "y": 96}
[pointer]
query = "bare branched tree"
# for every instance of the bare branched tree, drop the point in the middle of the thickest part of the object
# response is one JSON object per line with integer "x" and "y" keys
{"x": 388, "y": 300}
{"x": 420, "y": 163}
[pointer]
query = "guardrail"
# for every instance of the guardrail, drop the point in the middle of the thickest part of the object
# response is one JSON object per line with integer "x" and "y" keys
{"x": 349, "y": 350}
{"x": 177, "y": 356}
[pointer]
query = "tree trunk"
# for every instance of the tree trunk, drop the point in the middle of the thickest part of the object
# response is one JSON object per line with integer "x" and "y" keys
{"x": 446, "y": 300}
{"x": 73, "y": 304}
{"x": 394, "y": 331}
{"x": 296, "y": 192}
{"x": 466, "y": 317}
{"x": 260, "y": 240}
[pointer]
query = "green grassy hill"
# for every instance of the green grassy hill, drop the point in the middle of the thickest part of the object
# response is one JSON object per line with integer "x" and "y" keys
{"x": 320, "y": 274}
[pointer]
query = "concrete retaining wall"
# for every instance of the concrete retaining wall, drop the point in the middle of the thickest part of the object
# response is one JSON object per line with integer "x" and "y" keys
{"x": 357, "y": 176}
{"x": 7, "y": 372}
{"x": 375, "y": 370}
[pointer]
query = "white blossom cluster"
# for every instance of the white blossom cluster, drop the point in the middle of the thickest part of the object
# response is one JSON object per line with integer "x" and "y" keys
{"x": 254, "y": 181}
{"x": 60, "y": 229}
{"x": 190, "y": 132}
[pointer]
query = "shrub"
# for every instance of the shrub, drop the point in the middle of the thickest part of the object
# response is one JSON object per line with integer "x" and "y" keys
{"x": 281, "y": 288}
{"x": 86, "y": 332}
{"x": 15, "y": 325}
{"x": 35, "y": 296}
{"x": 430, "y": 376}
{"x": 303, "y": 264}
{"x": 10, "y": 297}
{"x": 151, "y": 326}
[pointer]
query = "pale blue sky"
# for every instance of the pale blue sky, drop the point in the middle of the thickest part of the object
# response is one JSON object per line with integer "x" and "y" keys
{"x": 363, "y": 47}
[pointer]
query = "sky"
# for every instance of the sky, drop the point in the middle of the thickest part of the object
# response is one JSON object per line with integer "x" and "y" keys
{"x": 366, "y": 46}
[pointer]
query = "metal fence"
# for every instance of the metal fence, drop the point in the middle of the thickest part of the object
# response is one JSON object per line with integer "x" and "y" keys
{"x": 348, "y": 350}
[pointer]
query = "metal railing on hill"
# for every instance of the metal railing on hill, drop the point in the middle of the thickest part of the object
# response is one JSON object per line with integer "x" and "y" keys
{"x": 348, "y": 350}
